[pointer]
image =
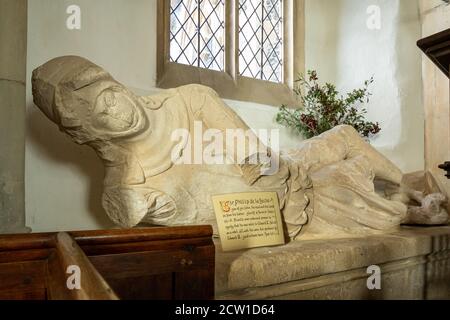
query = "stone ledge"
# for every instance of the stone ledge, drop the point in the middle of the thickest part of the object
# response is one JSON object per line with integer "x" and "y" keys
{"x": 415, "y": 264}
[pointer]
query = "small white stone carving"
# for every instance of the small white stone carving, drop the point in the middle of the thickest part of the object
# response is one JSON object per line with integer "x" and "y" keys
{"x": 325, "y": 186}
{"x": 431, "y": 212}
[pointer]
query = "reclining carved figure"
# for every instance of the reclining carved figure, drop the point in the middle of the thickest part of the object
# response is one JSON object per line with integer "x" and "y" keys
{"x": 325, "y": 186}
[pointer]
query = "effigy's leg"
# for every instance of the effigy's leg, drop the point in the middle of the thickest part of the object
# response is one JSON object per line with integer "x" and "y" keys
{"x": 345, "y": 200}
{"x": 346, "y": 203}
{"x": 351, "y": 165}
{"x": 382, "y": 167}
{"x": 341, "y": 143}
{"x": 310, "y": 156}
{"x": 431, "y": 212}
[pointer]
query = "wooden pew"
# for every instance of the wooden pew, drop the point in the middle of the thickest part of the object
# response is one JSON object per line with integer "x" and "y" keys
{"x": 151, "y": 263}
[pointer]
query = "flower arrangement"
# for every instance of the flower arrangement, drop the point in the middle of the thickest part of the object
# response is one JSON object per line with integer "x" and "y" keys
{"x": 323, "y": 108}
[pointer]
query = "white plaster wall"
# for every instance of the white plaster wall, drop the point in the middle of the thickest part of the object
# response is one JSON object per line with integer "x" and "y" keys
{"x": 344, "y": 51}
{"x": 64, "y": 181}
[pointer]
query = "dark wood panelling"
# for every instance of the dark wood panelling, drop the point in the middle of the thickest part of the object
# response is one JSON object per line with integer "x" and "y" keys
{"x": 23, "y": 279}
{"x": 193, "y": 285}
{"x": 148, "y": 263}
{"x": 437, "y": 48}
{"x": 156, "y": 287}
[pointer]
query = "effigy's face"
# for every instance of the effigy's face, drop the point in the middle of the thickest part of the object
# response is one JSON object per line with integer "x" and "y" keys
{"x": 104, "y": 110}
{"x": 115, "y": 111}
{"x": 86, "y": 102}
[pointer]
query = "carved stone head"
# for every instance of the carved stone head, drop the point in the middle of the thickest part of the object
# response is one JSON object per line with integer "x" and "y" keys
{"x": 93, "y": 108}
{"x": 85, "y": 101}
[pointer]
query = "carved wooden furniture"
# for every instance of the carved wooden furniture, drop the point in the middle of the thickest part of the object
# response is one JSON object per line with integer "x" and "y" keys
{"x": 437, "y": 48}
{"x": 151, "y": 263}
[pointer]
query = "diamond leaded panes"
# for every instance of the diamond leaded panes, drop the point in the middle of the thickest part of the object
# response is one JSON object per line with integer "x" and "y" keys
{"x": 261, "y": 39}
{"x": 197, "y": 33}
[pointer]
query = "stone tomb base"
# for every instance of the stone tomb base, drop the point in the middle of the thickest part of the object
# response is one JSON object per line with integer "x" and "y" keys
{"x": 414, "y": 263}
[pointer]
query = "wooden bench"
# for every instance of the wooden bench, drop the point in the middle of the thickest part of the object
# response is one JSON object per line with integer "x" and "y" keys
{"x": 151, "y": 263}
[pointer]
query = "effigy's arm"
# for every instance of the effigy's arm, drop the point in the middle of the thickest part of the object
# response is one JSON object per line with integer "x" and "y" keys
{"x": 127, "y": 206}
{"x": 208, "y": 107}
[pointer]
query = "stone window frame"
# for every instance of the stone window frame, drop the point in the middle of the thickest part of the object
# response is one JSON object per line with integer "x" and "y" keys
{"x": 229, "y": 84}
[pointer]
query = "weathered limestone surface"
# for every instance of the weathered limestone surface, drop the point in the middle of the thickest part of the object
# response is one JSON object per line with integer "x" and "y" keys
{"x": 414, "y": 262}
{"x": 13, "y": 39}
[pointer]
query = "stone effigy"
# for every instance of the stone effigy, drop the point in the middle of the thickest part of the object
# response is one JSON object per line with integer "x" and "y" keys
{"x": 325, "y": 187}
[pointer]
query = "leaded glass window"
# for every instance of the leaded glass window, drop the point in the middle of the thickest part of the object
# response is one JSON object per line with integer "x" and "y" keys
{"x": 197, "y": 33}
{"x": 249, "y": 50}
{"x": 261, "y": 39}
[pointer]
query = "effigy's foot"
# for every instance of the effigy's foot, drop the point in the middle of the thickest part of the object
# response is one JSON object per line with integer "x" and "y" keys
{"x": 431, "y": 212}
